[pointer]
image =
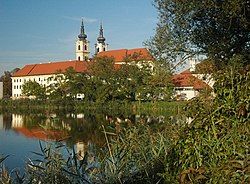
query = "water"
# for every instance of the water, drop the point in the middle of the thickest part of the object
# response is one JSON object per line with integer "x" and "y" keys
{"x": 20, "y": 134}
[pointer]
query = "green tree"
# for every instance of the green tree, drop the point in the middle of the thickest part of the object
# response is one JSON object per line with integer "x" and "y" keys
{"x": 59, "y": 90}
{"x": 102, "y": 82}
{"x": 7, "y": 83}
{"x": 33, "y": 89}
{"x": 217, "y": 29}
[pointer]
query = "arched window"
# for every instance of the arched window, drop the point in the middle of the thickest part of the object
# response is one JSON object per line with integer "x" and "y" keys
{"x": 79, "y": 47}
{"x": 79, "y": 58}
{"x": 98, "y": 50}
{"x": 85, "y": 47}
{"x": 104, "y": 49}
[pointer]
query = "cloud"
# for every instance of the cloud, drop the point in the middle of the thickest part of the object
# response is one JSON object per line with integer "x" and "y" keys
{"x": 85, "y": 19}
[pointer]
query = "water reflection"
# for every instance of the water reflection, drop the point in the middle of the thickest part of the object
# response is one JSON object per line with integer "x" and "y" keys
{"x": 1, "y": 121}
{"x": 19, "y": 134}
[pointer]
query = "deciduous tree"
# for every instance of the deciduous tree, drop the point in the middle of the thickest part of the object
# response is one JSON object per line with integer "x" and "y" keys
{"x": 218, "y": 29}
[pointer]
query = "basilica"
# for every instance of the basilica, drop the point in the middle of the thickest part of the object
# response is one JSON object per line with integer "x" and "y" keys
{"x": 43, "y": 72}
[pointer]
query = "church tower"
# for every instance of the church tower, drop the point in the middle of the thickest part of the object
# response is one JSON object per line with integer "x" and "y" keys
{"x": 101, "y": 45}
{"x": 82, "y": 46}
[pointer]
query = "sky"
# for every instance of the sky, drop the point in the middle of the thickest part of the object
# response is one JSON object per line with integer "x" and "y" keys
{"x": 37, "y": 31}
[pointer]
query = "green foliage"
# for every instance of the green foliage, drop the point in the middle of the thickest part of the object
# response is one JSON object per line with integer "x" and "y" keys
{"x": 134, "y": 156}
{"x": 105, "y": 82}
{"x": 52, "y": 167}
{"x": 214, "y": 146}
{"x": 7, "y": 86}
{"x": 33, "y": 89}
{"x": 217, "y": 29}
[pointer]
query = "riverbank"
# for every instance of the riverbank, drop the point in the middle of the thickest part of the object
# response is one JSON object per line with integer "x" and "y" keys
{"x": 32, "y": 105}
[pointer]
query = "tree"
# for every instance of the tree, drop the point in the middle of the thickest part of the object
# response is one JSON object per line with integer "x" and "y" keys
{"x": 33, "y": 89}
{"x": 7, "y": 83}
{"x": 215, "y": 28}
{"x": 102, "y": 82}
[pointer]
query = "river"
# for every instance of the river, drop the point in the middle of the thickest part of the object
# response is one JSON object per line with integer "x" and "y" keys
{"x": 20, "y": 133}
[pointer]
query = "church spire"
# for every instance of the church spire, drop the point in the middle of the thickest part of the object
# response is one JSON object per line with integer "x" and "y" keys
{"x": 82, "y": 34}
{"x": 82, "y": 45}
{"x": 101, "y": 38}
{"x": 101, "y": 46}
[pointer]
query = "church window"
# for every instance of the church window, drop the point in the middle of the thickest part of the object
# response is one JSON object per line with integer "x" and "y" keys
{"x": 98, "y": 50}
{"x": 39, "y": 79}
{"x": 79, "y": 58}
{"x": 16, "y": 87}
{"x": 14, "y": 80}
{"x": 79, "y": 47}
{"x": 85, "y": 46}
{"x": 103, "y": 49}
{"x": 20, "y": 80}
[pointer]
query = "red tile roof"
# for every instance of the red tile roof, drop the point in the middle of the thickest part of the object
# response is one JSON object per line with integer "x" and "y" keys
{"x": 80, "y": 66}
{"x": 51, "y": 68}
{"x": 186, "y": 79}
{"x": 120, "y": 55}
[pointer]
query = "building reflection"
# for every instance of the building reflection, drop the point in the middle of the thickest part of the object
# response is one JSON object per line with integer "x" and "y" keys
{"x": 17, "y": 121}
{"x": 81, "y": 148}
{"x": 1, "y": 122}
{"x": 77, "y": 130}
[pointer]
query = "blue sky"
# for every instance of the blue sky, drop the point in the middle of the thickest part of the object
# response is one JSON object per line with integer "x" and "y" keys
{"x": 34, "y": 31}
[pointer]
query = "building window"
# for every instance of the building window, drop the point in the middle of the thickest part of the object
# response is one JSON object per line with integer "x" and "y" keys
{"x": 14, "y": 87}
{"x": 103, "y": 49}
{"x": 24, "y": 80}
{"x": 14, "y": 80}
{"x": 79, "y": 47}
{"x": 98, "y": 50}
{"x": 20, "y": 80}
{"x": 39, "y": 78}
{"x": 85, "y": 47}
{"x": 79, "y": 58}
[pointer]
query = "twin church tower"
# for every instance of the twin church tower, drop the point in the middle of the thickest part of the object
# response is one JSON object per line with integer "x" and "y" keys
{"x": 82, "y": 44}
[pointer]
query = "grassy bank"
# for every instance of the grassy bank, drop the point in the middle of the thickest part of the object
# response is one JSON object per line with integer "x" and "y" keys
{"x": 31, "y": 105}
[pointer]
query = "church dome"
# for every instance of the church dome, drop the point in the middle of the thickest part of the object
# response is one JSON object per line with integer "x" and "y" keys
{"x": 101, "y": 39}
{"x": 82, "y": 36}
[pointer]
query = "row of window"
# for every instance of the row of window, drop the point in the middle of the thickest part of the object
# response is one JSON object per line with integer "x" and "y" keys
{"x": 16, "y": 87}
{"x": 34, "y": 79}
{"x": 17, "y": 95}
{"x": 18, "y": 80}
